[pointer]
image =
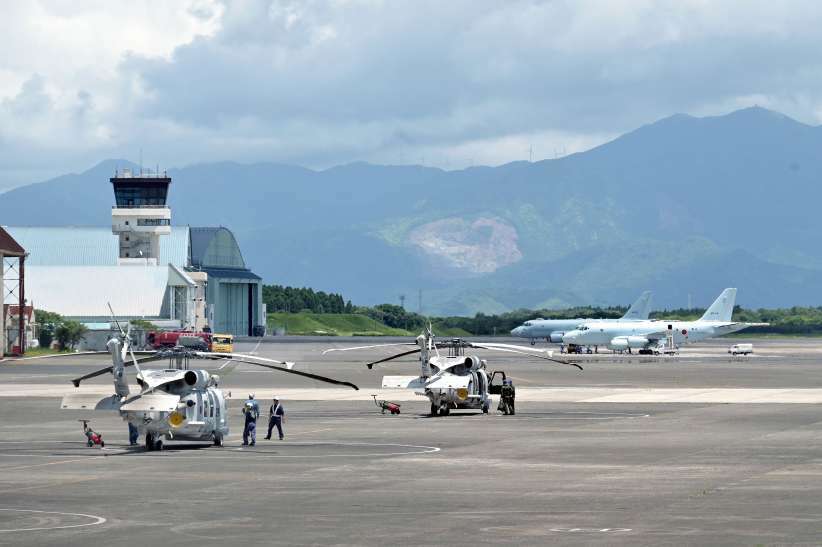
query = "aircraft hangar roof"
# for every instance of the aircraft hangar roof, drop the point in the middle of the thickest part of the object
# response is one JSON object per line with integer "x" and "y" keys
{"x": 85, "y": 291}
{"x": 89, "y": 246}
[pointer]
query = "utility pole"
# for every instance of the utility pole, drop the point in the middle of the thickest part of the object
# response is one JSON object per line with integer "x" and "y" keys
{"x": 402, "y": 301}
{"x": 419, "y": 302}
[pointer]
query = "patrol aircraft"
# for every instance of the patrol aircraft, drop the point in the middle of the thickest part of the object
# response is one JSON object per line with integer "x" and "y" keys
{"x": 453, "y": 380}
{"x": 651, "y": 336}
{"x": 176, "y": 403}
{"x": 554, "y": 329}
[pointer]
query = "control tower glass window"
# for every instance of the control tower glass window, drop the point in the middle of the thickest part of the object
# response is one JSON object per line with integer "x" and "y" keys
{"x": 140, "y": 192}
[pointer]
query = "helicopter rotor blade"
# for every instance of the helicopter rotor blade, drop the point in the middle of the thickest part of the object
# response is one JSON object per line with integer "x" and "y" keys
{"x": 113, "y": 318}
{"x": 15, "y": 359}
{"x": 494, "y": 347}
{"x": 371, "y": 347}
{"x": 245, "y": 359}
{"x": 397, "y": 356}
{"x": 108, "y": 369}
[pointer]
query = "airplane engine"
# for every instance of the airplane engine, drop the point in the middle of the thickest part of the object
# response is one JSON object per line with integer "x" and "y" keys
{"x": 625, "y": 342}
{"x": 197, "y": 379}
{"x": 556, "y": 337}
{"x": 473, "y": 363}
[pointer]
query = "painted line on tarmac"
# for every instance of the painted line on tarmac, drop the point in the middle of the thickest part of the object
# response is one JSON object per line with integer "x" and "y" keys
{"x": 97, "y": 520}
{"x": 19, "y": 467}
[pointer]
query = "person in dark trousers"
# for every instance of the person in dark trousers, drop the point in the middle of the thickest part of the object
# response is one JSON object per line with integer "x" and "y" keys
{"x": 252, "y": 411}
{"x": 133, "y": 434}
{"x": 506, "y": 400}
{"x": 276, "y": 415}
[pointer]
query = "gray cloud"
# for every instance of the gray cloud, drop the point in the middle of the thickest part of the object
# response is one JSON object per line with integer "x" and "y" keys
{"x": 319, "y": 83}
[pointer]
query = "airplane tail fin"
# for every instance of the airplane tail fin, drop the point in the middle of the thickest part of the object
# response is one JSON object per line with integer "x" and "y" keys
{"x": 723, "y": 307}
{"x": 641, "y": 308}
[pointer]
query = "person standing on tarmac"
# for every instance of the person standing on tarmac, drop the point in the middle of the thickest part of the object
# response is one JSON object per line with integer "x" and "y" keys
{"x": 133, "y": 434}
{"x": 252, "y": 411}
{"x": 276, "y": 417}
{"x": 507, "y": 396}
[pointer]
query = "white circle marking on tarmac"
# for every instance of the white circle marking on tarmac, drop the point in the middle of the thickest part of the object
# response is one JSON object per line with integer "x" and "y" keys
{"x": 258, "y": 454}
{"x": 591, "y": 530}
{"x": 97, "y": 520}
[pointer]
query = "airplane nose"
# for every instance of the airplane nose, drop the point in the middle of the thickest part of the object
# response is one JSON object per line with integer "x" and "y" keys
{"x": 516, "y": 331}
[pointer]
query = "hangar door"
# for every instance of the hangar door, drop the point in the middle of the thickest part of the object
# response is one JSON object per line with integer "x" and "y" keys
{"x": 234, "y": 314}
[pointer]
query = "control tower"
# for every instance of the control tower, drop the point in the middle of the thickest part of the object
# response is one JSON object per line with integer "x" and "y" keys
{"x": 140, "y": 215}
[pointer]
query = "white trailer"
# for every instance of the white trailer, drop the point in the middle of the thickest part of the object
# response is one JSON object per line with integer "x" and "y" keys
{"x": 740, "y": 349}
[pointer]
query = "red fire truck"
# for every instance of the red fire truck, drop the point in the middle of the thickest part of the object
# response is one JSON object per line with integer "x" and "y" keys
{"x": 170, "y": 339}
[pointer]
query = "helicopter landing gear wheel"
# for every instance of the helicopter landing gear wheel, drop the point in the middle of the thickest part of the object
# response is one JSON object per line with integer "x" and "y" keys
{"x": 158, "y": 445}
{"x": 485, "y": 407}
{"x": 218, "y": 439}
{"x": 444, "y": 410}
{"x": 434, "y": 409}
{"x": 149, "y": 442}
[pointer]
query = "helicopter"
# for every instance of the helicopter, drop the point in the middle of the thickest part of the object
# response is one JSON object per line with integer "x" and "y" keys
{"x": 452, "y": 380}
{"x": 174, "y": 403}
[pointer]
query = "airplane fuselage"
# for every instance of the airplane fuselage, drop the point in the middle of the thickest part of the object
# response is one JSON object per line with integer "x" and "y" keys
{"x": 647, "y": 334}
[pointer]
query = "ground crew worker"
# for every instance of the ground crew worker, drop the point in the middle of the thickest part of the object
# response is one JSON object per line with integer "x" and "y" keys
{"x": 507, "y": 395}
{"x": 133, "y": 434}
{"x": 252, "y": 411}
{"x": 276, "y": 416}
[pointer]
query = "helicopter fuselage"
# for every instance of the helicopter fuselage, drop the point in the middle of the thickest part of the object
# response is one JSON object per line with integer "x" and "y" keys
{"x": 199, "y": 414}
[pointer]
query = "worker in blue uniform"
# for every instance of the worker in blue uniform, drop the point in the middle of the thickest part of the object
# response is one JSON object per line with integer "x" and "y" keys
{"x": 133, "y": 434}
{"x": 276, "y": 416}
{"x": 252, "y": 411}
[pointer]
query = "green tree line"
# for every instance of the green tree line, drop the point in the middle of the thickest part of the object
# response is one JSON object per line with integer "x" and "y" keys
{"x": 53, "y": 326}
{"x": 278, "y": 298}
{"x": 796, "y": 320}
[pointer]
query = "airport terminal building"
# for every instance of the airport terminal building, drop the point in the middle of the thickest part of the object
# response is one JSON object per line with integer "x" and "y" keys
{"x": 173, "y": 276}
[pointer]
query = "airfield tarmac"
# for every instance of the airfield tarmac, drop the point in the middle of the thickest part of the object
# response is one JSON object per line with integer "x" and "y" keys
{"x": 632, "y": 451}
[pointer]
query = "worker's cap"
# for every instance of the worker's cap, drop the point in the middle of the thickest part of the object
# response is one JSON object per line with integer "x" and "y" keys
{"x": 275, "y": 398}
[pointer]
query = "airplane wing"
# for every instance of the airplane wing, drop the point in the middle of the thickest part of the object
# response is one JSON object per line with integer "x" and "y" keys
{"x": 83, "y": 401}
{"x": 403, "y": 382}
{"x": 153, "y": 402}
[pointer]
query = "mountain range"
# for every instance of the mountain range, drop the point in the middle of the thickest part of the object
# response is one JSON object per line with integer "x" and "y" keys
{"x": 685, "y": 207}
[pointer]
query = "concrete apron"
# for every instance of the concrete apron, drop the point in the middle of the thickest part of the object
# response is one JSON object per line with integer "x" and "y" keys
{"x": 525, "y": 394}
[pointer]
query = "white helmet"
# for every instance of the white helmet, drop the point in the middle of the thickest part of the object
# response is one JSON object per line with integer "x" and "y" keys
{"x": 250, "y": 395}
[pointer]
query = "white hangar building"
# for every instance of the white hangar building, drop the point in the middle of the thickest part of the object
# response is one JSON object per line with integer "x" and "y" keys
{"x": 173, "y": 276}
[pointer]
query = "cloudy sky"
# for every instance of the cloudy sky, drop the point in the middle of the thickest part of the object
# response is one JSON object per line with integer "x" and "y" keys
{"x": 320, "y": 83}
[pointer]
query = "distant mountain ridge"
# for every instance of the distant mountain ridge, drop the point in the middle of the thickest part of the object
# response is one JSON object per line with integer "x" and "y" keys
{"x": 683, "y": 206}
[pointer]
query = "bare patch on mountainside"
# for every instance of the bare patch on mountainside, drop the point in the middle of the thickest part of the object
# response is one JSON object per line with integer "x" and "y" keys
{"x": 478, "y": 247}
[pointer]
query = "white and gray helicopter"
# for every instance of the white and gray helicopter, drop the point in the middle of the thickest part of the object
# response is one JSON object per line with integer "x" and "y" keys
{"x": 451, "y": 380}
{"x": 177, "y": 402}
